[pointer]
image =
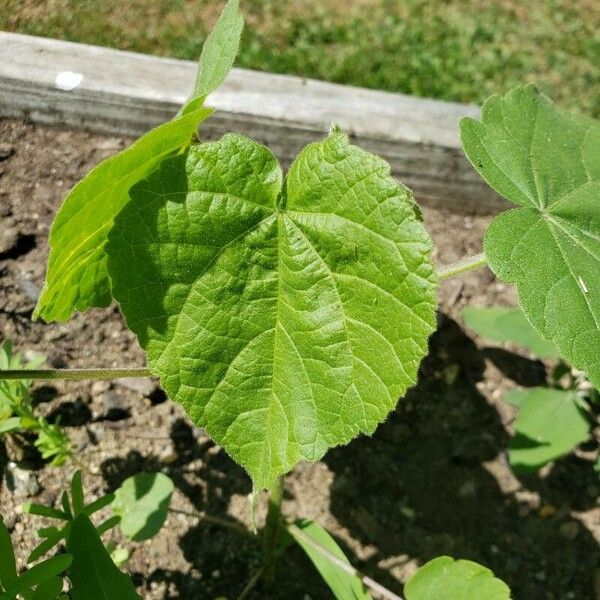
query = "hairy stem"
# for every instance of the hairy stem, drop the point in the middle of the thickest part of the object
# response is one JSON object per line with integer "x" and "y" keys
{"x": 344, "y": 566}
{"x": 73, "y": 374}
{"x": 270, "y": 535}
{"x": 461, "y": 266}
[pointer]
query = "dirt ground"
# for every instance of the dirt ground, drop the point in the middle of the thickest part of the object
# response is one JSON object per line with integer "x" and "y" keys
{"x": 432, "y": 480}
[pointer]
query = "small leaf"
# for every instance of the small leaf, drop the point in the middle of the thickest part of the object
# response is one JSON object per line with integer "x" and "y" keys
{"x": 11, "y": 424}
{"x": 343, "y": 585}
{"x": 93, "y": 574}
{"x": 142, "y": 503}
{"x": 108, "y": 524}
{"x": 66, "y": 506}
{"x": 77, "y": 493}
{"x": 508, "y": 325}
{"x": 45, "y": 511}
{"x": 286, "y": 317}
{"x": 42, "y": 572}
{"x": 550, "y": 424}
{"x": 76, "y": 278}
{"x": 547, "y": 162}
{"x": 219, "y": 50}
{"x": 120, "y": 556}
{"x": 51, "y": 540}
{"x": 99, "y": 504}
{"x": 449, "y": 579}
{"x": 8, "y": 567}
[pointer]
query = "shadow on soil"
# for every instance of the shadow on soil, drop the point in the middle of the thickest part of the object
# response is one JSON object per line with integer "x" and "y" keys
{"x": 417, "y": 489}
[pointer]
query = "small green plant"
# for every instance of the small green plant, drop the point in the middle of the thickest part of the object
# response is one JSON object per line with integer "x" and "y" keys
{"x": 91, "y": 569}
{"x": 288, "y": 313}
{"x": 17, "y": 414}
{"x": 40, "y": 582}
{"x": 552, "y": 420}
{"x": 139, "y": 507}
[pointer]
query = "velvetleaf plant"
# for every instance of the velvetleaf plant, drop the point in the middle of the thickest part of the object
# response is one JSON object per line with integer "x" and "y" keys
{"x": 288, "y": 313}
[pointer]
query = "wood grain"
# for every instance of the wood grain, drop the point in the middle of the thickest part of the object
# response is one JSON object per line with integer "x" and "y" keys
{"x": 123, "y": 93}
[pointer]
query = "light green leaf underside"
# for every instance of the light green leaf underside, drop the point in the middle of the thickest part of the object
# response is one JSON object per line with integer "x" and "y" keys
{"x": 547, "y": 162}
{"x": 142, "y": 502}
{"x": 343, "y": 585}
{"x": 219, "y": 50}
{"x": 508, "y": 325}
{"x": 550, "y": 424}
{"x": 286, "y": 318}
{"x": 76, "y": 277}
{"x": 449, "y": 579}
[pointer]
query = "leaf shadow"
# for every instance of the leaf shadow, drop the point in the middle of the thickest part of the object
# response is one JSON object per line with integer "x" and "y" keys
{"x": 427, "y": 484}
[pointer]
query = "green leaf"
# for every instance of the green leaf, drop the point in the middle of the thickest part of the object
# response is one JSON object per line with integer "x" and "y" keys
{"x": 98, "y": 504}
{"x": 41, "y": 572}
{"x": 76, "y": 278}
{"x": 286, "y": 318}
{"x": 450, "y": 579}
{"x": 508, "y": 325}
{"x": 8, "y": 567}
{"x": 550, "y": 424}
{"x": 51, "y": 540}
{"x": 48, "y": 590}
{"x": 77, "y": 495}
{"x": 142, "y": 502}
{"x": 11, "y": 424}
{"x": 219, "y": 50}
{"x": 45, "y": 511}
{"x": 93, "y": 574}
{"x": 547, "y": 162}
{"x": 343, "y": 585}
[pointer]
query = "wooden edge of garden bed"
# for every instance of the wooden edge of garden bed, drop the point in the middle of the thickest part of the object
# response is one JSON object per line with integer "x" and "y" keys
{"x": 122, "y": 93}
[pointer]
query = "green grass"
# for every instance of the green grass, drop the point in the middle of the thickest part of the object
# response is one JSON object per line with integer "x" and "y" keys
{"x": 462, "y": 50}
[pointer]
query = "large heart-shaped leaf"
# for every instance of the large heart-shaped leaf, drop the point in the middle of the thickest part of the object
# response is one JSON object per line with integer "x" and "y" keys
{"x": 449, "y": 579}
{"x": 285, "y": 317}
{"x": 547, "y": 162}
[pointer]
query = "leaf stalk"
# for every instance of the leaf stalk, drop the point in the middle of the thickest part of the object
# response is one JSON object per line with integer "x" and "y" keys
{"x": 461, "y": 266}
{"x": 72, "y": 374}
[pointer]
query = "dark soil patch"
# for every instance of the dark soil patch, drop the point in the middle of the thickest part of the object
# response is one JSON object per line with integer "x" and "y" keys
{"x": 432, "y": 480}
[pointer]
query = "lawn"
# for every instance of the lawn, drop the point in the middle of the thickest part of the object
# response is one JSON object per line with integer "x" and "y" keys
{"x": 461, "y": 50}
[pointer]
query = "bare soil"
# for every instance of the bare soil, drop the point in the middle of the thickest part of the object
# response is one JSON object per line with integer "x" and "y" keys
{"x": 432, "y": 480}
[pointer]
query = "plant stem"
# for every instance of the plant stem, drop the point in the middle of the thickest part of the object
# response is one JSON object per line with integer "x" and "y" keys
{"x": 270, "y": 536}
{"x": 73, "y": 374}
{"x": 461, "y": 266}
{"x": 251, "y": 585}
{"x": 372, "y": 585}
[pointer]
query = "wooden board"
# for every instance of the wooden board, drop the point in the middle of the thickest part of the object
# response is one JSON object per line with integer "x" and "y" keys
{"x": 123, "y": 93}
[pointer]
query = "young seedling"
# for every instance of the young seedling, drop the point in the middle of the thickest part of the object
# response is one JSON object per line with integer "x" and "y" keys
{"x": 139, "y": 507}
{"x": 17, "y": 414}
{"x": 288, "y": 313}
{"x": 41, "y": 582}
{"x": 551, "y": 420}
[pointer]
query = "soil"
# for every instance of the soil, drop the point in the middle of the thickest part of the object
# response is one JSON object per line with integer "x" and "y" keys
{"x": 432, "y": 480}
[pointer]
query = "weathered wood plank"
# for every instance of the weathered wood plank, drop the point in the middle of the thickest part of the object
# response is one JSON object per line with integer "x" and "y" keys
{"x": 125, "y": 93}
